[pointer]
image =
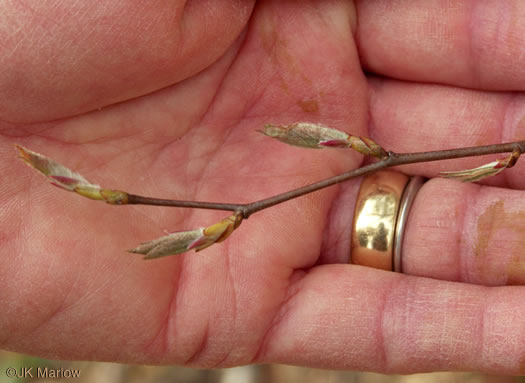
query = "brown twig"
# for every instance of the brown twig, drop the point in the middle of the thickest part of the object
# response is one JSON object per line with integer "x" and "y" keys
{"x": 299, "y": 134}
{"x": 392, "y": 159}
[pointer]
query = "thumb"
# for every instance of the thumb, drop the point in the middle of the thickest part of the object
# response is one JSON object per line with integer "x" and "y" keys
{"x": 60, "y": 60}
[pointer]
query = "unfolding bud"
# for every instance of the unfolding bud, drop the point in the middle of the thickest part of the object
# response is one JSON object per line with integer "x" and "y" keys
{"x": 69, "y": 180}
{"x": 174, "y": 243}
{"x": 60, "y": 175}
{"x": 307, "y": 135}
{"x": 316, "y": 136}
{"x": 183, "y": 241}
{"x": 484, "y": 171}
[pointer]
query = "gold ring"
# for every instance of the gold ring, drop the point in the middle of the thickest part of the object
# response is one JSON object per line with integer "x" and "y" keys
{"x": 381, "y": 212}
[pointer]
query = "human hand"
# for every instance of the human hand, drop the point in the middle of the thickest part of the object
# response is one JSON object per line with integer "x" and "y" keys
{"x": 280, "y": 289}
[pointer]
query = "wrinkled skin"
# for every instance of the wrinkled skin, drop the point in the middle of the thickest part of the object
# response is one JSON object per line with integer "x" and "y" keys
{"x": 164, "y": 100}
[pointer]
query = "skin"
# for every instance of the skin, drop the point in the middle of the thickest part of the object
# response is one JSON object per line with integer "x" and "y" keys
{"x": 165, "y": 102}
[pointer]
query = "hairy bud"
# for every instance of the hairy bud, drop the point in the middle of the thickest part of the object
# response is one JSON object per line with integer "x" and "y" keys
{"x": 69, "y": 180}
{"x": 316, "y": 136}
{"x": 182, "y": 241}
{"x": 484, "y": 171}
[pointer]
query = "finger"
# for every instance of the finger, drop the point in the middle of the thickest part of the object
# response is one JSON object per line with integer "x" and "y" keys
{"x": 352, "y": 317}
{"x": 60, "y": 61}
{"x": 474, "y": 234}
{"x": 455, "y": 232}
{"x": 476, "y": 44}
{"x": 416, "y": 117}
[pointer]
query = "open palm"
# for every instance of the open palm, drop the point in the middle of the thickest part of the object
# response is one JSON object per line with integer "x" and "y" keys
{"x": 165, "y": 102}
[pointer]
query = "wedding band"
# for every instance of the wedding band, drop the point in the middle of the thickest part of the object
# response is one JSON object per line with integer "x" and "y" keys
{"x": 381, "y": 212}
{"x": 408, "y": 197}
